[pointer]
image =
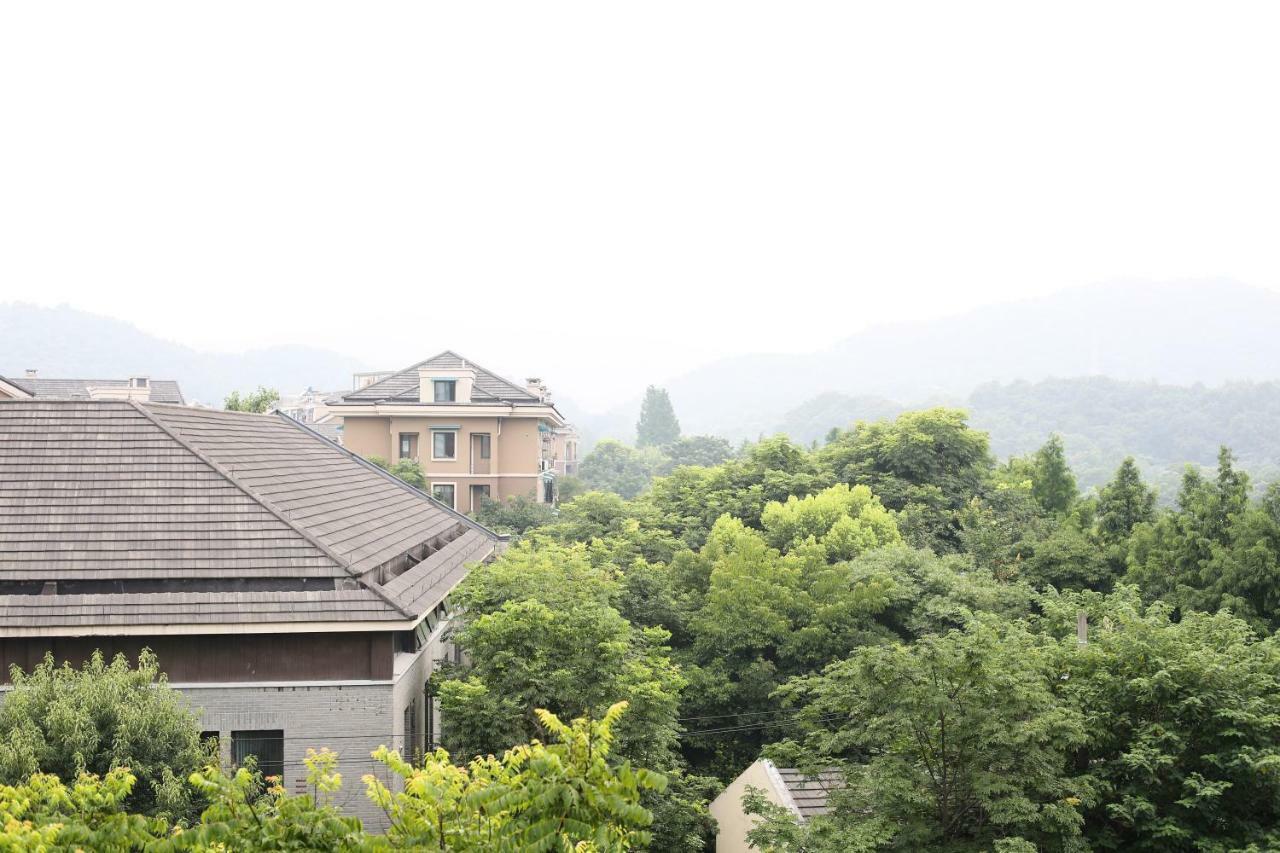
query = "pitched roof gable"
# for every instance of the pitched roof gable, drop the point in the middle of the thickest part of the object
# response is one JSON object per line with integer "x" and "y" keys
{"x": 403, "y": 386}
{"x": 806, "y": 794}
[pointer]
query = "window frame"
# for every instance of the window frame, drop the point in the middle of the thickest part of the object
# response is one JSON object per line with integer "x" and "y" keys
{"x": 452, "y": 485}
{"x": 413, "y": 440}
{"x": 486, "y": 445}
{"x": 437, "y": 432}
{"x": 239, "y": 750}
{"x": 474, "y": 489}
{"x": 453, "y": 390}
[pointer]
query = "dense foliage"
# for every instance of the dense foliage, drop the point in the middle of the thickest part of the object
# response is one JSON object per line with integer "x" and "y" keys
{"x": 67, "y": 721}
{"x": 409, "y": 470}
{"x": 897, "y": 608}
{"x": 566, "y": 795}
{"x": 900, "y": 607}
{"x": 257, "y": 402}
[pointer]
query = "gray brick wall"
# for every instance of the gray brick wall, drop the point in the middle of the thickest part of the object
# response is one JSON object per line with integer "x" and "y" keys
{"x": 352, "y": 720}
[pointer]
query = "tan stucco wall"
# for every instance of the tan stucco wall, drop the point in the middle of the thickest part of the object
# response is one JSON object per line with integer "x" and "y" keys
{"x": 515, "y": 450}
{"x": 734, "y": 824}
{"x": 520, "y": 445}
{"x": 367, "y": 436}
{"x": 513, "y": 486}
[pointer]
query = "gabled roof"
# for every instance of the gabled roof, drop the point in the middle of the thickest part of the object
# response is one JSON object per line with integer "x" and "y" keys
{"x": 109, "y": 496}
{"x": 804, "y": 793}
{"x": 403, "y": 386}
{"x": 161, "y": 390}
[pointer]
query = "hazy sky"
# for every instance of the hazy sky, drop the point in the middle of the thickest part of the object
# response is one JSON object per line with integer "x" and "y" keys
{"x": 607, "y": 193}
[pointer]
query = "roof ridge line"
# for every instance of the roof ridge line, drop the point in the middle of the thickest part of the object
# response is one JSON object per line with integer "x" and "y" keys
{"x": 780, "y": 785}
{"x": 395, "y": 373}
{"x": 470, "y": 363}
{"x": 231, "y": 478}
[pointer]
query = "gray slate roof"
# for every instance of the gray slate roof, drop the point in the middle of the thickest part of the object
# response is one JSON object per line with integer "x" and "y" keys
{"x": 120, "y": 491}
{"x": 403, "y": 387}
{"x": 809, "y": 793}
{"x": 162, "y": 390}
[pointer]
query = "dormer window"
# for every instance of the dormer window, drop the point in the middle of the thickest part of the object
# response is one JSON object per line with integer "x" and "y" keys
{"x": 446, "y": 390}
{"x": 139, "y": 382}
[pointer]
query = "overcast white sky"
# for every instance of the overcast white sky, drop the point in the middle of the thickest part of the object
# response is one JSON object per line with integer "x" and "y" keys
{"x": 608, "y": 193}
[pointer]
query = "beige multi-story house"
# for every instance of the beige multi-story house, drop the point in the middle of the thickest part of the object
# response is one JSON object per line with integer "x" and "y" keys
{"x": 475, "y": 434}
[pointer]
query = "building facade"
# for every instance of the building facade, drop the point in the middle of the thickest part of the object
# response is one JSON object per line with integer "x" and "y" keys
{"x": 476, "y": 435}
{"x": 294, "y": 593}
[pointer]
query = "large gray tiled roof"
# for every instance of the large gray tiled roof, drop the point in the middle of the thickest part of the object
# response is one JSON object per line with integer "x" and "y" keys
{"x": 403, "y": 387}
{"x": 161, "y": 390}
{"x": 108, "y": 495}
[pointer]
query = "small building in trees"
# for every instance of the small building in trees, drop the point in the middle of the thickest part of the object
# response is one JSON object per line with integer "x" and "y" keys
{"x": 803, "y": 795}
{"x": 296, "y": 594}
{"x": 476, "y": 435}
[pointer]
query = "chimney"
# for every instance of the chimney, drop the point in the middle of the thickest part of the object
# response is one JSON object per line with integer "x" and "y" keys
{"x": 536, "y": 387}
{"x": 31, "y": 373}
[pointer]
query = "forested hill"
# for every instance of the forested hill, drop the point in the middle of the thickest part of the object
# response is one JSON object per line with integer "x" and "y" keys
{"x": 1210, "y": 332}
{"x": 65, "y": 343}
{"x": 1101, "y": 421}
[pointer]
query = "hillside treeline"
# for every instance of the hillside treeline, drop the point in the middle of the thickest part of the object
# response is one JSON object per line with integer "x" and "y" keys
{"x": 1101, "y": 421}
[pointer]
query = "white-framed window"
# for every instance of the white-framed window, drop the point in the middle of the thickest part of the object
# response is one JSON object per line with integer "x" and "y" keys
{"x": 444, "y": 444}
{"x": 446, "y": 493}
{"x": 446, "y": 390}
{"x": 408, "y": 445}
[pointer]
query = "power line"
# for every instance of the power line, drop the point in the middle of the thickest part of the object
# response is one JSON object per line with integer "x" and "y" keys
{"x": 741, "y": 714}
{"x": 763, "y": 725}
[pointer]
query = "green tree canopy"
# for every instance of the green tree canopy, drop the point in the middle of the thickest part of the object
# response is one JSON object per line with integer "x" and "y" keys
{"x": 844, "y": 521}
{"x": 567, "y": 794}
{"x": 1052, "y": 483}
{"x": 1181, "y": 723}
{"x": 65, "y": 721}
{"x": 704, "y": 450}
{"x": 658, "y": 425}
{"x": 928, "y": 464}
{"x": 955, "y": 742}
{"x": 542, "y": 631}
{"x": 258, "y": 401}
{"x": 518, "y": 514}
{"x": 1124, "y": 503}
{"x": 612, "y": 466}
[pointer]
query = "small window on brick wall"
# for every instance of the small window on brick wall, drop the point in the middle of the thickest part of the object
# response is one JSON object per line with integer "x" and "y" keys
{"x": 267, "y": 745}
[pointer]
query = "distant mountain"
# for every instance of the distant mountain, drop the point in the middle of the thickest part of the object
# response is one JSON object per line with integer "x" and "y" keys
{"x": 1183, "y": 333}
{"x": 65, "y": 343}
{"x": 811, "y": 421}
{"x": 1101, "y": 420}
